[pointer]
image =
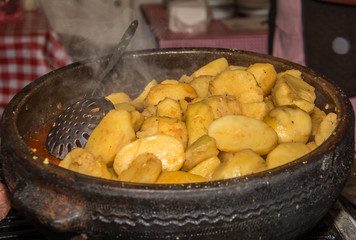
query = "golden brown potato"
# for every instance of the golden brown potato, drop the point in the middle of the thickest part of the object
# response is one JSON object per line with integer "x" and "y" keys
{"x": 213, "y": 68}
{"x": 82, "y": 161}
{"x": 136, "y": 119}
{"x": 255, "y": 110}
{"x": 201, "y": 85}
{"x": 125, "y": 106}
{"x": 113, "y": 132}
{"x": 317, "y": 117}
{"x": 145, "y": 168}
{"x": 120, "y": 97}
{"x": 290, "y": 90}
{"x": 176, "y": 177}
{"x": 241, "y": 163}
{"x": 326, "y": 127}
{"x": 201, "y": 149}
{"x": 265, "y": 75}
{"x": 285, "y": 153}
{"x": 169, "y": 81}
{"x": 206, "y": 168}
{"x": 162, "y": 125}
{"x": 234, "y": 133}
{"x": 223, "y": 105}
{"x": 174, "y": 91}
{"x": 198, "y": 118}
{"x": 169, "y": 108}
{"x": 166, "y": 148}
{"x": 290, "y": 123}
{"x": 139, "y": 101}
{"x": 238, "y": 83}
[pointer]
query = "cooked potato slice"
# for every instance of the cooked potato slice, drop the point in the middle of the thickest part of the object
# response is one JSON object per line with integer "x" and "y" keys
{"x": 293, "y": 72}
{"x": 201, "y": 149}
{"x": 285, "y": 153}
{"x": 198, "y": 118}
{"x": 201, "y": 85}
{"x": 166, "y": 148}
{"x": 255, "y": 110}
{"x": 82, "y": 161}
{"x": 213, "y": 68}
{"x": 169, "y": 81}
{"x": 169, "y": 108}
{"x": 136, "y": 119}
{"x": 326, "y": 127}
{"x": 150, "y": 111}
{"x": 176, "y": 177}
{"x": 145, "y": 168}
{"x": 234, "y": 133}
{"x": 113, "y": 132}
{"x": 223, "y": 105}
{"x": 290, "y": 90}
{"x": 290, "y": 123}
{"x": 139, "y": 101}
{"x": 312, "y": 145}
{"x": 116, "y": 98}
{"x": 241, "y": 163}
{"x": 238, "y": 83}
{"x": 173, "y": 91}
{"x": 265, "y": 75}
{"x": 162, "y": 125}
{"x": 125, "y": 106}
{"x": 185, "y": 79}
{"x": 206, "y": 168}
{"x": 317, "y": 117}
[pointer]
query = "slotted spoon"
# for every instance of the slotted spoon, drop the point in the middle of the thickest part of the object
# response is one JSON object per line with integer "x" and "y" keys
{"x": 74, "y": 125}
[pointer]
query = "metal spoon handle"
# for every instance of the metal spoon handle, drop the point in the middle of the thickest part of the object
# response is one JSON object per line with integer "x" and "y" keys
{"x": 115, "y": 58}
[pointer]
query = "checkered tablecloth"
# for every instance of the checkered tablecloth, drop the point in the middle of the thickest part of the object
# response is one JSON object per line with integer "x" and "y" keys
{"x": 28, "y": 50}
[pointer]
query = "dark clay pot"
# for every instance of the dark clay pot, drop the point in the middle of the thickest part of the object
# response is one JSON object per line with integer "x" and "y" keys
{"x": 282, "y": 203}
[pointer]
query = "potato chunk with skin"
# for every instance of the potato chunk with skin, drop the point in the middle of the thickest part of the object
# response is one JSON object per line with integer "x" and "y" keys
{"x": 201, "y": 149}
{"x": 116, "y": 98}
{"x": 285, "y": 153}
{"x": 206, "y": 168}
{"x": 290, "y": 123}
{"x": 290, "y": 90}
{"x": 173, "y": 91}
{"x": 139, "y": 101}
{"x": 238, "y": 83}
{"x": 162, "y": 125}
{"x": 326, "y": 127}
{"x": 317, "y": 117}
{"x": 113, "y": 132}
{"x": 166, "y": 148}
{"x": 169, "y": 108}
{"x": 241, "y": 163}
{"x": 145, "y": 168}
{"x": 223, "y": 105}
{"x": 198, "y": 118}
{"x": 176, "y": 177}
{"x": 213, "y": 68}
{"x": 201, "y": 85}
{"x": 265, "y": 75}
{"x": 234, "y": 133}
{"x": 255, "y": 110}
{"x": 82, "y": 161}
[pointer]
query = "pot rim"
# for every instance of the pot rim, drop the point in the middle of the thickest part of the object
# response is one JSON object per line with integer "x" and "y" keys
{"x": 33, "y": 160}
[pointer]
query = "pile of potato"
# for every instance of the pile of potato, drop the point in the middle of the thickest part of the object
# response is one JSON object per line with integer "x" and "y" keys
{"x": 221, "y": 122}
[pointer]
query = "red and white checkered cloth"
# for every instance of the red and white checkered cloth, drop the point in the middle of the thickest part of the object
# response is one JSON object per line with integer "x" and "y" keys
{"x": 27, "y": 51}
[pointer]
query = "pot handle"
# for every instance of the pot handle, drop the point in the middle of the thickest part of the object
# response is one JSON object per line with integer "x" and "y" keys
{"x": 51, "y": 208}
